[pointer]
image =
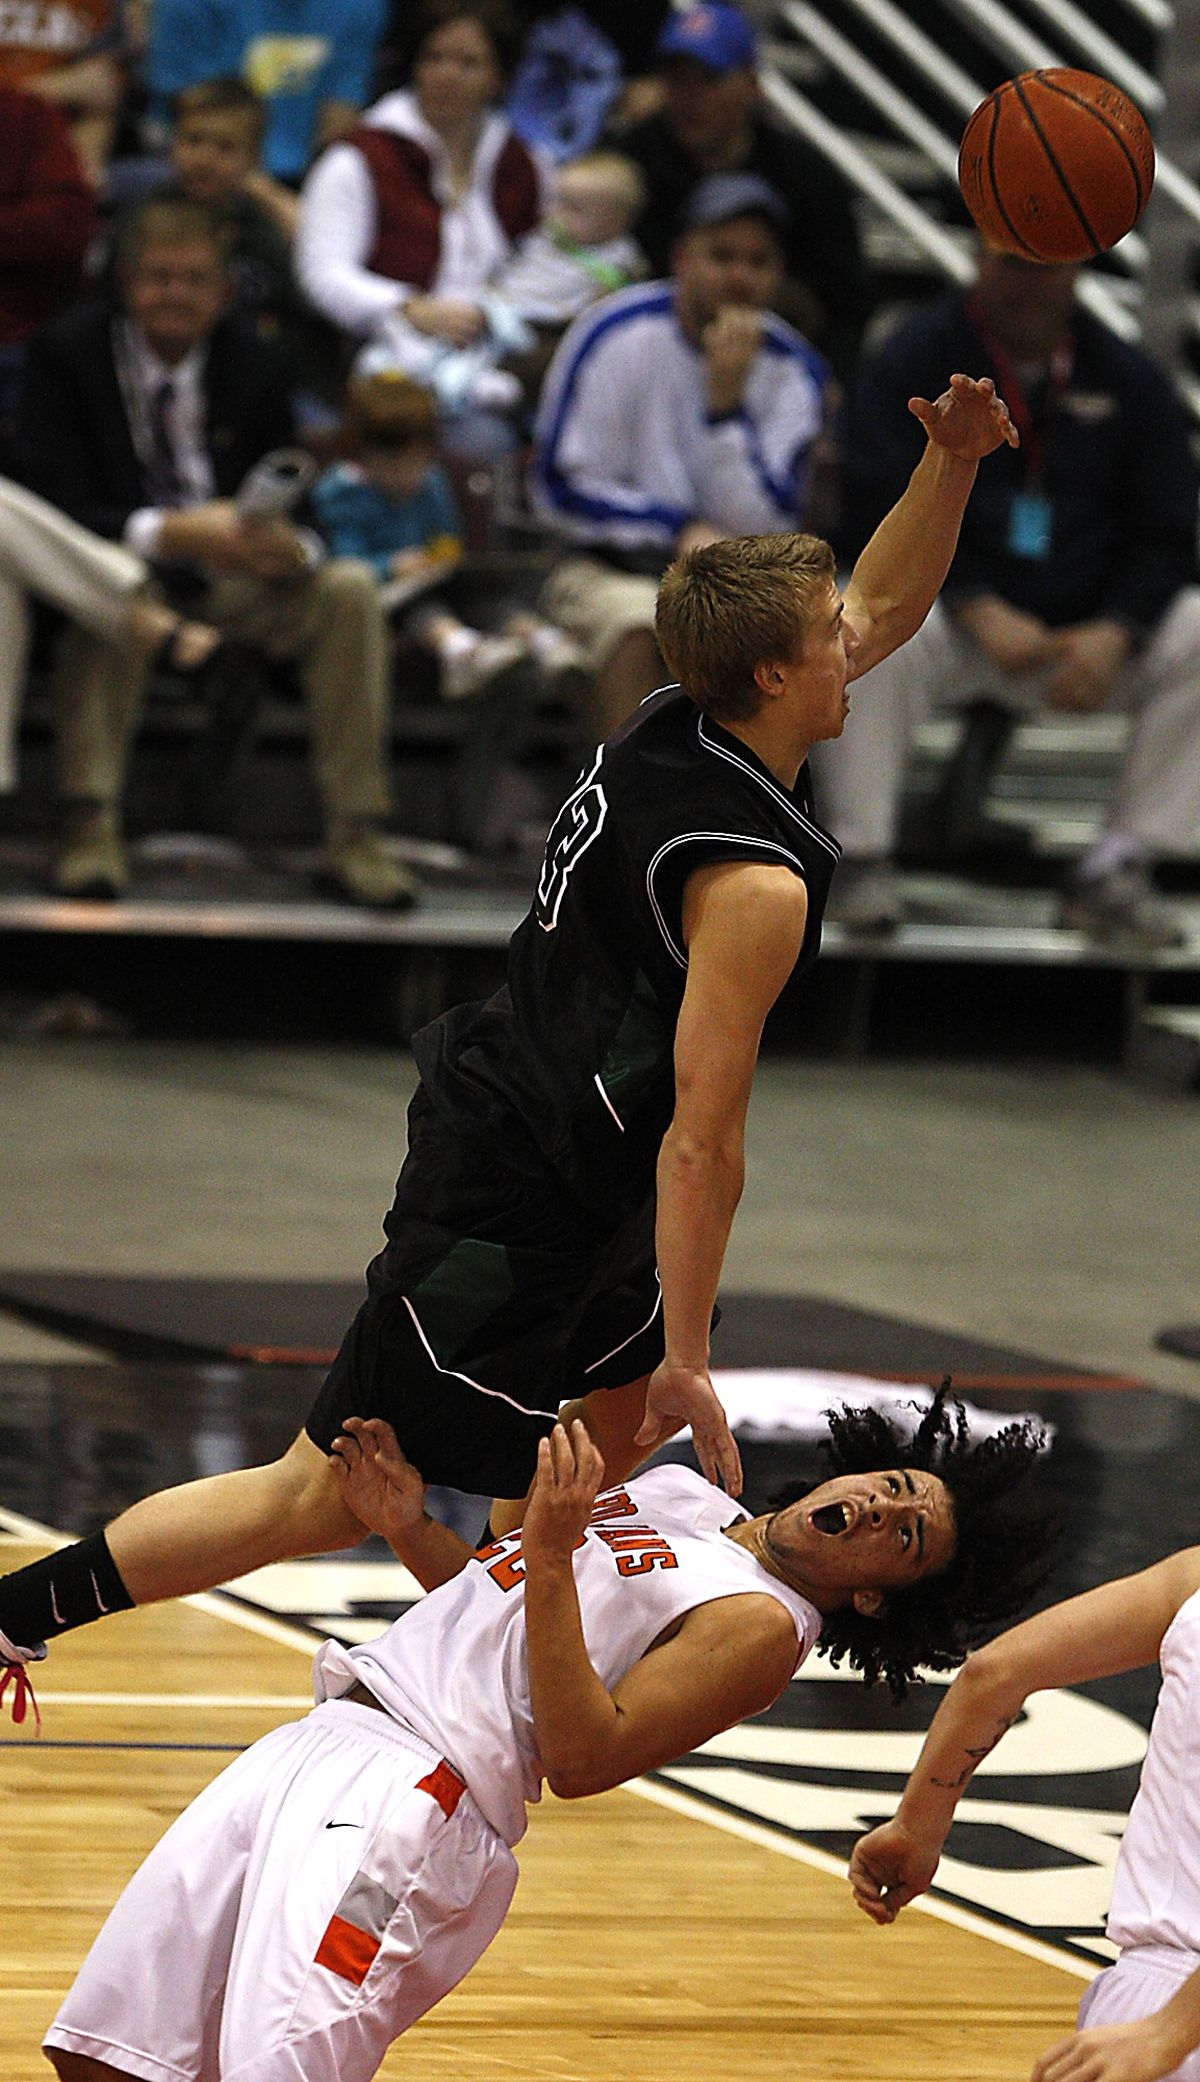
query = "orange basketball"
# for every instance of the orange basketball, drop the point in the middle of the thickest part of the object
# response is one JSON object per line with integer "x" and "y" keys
{"x": 1056, "y": 165}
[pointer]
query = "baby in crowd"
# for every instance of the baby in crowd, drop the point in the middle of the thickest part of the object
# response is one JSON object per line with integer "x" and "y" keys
{"x": 581, "y": 251}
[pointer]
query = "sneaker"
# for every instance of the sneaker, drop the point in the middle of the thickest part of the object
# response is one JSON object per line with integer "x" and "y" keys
{"x": 90, "y": 863}
{"x": 357, "y": 867}
{"x": 470, "y": 672}
{"x": 1122, "y": 908}
{"x": 865, "y": 897}
{"x": 13, "y": 1670}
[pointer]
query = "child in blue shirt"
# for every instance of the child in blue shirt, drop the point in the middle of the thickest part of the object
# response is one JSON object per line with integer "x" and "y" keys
{"x": 390, "y": 504}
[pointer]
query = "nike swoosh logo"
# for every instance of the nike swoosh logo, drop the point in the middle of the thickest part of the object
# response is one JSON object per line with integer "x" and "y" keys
{"x": 100, "y": 1604}
{"x": 343, "y": 1825}
{"x": 58, "y": 1618}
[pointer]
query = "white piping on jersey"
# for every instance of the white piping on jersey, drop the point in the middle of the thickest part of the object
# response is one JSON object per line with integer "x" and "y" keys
{"x": 642, "y": 1327}
{"x": 608, "y": 1102}
{"x": 716, "y": 838}
{"x": 780, "y": 794}
{"x": 453, "y": 1373}
{"x": 586, "y": 780}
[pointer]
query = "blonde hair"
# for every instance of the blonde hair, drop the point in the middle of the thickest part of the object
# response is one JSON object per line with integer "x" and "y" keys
{"x": 622, "y": 176}
{"x": 387, "y": 410}
{"x": 733, "y": 605}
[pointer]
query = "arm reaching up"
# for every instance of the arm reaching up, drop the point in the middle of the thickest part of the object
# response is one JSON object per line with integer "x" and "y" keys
{"x": 386, "y": 1493}
{"x": 903, "y": 567}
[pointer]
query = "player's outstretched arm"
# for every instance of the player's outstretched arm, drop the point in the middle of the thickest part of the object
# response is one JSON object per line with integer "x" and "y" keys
{"x": 1118, "y": 1626}
{"x": 744, "y": 927}
{"x": 902, "y": 569}
{"x": 714, "y": 1671}
{"x": 387, "y": 1495}
{"x": 1137, "y": 2052}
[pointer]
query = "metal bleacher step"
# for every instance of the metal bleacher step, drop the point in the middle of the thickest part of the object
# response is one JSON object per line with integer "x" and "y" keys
{"x": 1055, "y": 779}
{"x": 1165, "y": 1045}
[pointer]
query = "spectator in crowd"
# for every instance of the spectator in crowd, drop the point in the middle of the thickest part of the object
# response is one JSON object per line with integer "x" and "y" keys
{"x": 47, "y": 217}
{"x": 673, "y": 414}
{"x": 583, "y": 248}
{"x": 711, "y": 121}
{"x": 404, "y": 223}
{"x": 311, "y": 61}
{"x": 390, "y": 503}
{"x": 215, "y": 159}
{"x": 1074, "y": 587}
{"x": 70, "y": 54}
{"x": 579, "y": 252}
{"x": 141, "y": 423}
{"x": 584, "y": 63}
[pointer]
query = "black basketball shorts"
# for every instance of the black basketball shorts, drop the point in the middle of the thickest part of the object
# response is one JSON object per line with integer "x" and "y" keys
{"x": 494, "y": 1300}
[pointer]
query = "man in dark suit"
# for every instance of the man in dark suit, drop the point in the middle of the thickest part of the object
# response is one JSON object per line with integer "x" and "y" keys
{"x": 141, "y": 423}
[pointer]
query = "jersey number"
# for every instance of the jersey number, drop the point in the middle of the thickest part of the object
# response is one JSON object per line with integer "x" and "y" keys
{"x": 579, "y": 821}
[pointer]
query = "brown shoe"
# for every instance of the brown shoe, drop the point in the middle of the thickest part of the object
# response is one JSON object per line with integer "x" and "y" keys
{"x": 357, "y": 867}
{"x": 90, "y": 862}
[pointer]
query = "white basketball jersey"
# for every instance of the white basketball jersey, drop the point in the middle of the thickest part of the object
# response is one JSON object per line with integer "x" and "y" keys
{"x": 1156, "y": 1892}
{"x": 455, "y": 1670}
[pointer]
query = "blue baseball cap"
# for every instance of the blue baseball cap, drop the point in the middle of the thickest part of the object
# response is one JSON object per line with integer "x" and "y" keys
{"x": 722, "y": 197}
{"x": 715, "y": 35}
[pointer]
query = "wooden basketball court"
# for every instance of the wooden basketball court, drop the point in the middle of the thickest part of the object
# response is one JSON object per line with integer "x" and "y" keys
{"x": 644, "y": 1943}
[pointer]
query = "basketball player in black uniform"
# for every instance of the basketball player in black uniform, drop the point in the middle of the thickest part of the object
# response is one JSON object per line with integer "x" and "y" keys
{"x": 576, "y": 1143}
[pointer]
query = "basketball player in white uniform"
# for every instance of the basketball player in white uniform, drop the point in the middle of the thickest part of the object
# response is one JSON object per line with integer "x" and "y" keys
{"x": 347, "y": 1871}
{"x": 1140, "y": 2019}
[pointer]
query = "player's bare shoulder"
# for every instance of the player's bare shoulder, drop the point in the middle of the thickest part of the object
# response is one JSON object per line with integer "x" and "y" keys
{"x": 736, "y": 898}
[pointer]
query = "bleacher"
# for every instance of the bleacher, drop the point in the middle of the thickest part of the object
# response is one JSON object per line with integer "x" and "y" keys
{"x": 220, "y": 810}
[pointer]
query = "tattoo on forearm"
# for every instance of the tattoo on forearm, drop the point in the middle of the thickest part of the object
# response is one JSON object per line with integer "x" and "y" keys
{"x": 975, "y": 1757}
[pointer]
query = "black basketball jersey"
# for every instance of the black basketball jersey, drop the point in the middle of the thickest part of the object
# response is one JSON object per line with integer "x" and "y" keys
{"x": 575, "y": 1051}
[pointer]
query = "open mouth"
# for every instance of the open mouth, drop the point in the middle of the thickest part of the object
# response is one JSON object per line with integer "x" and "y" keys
{"x": 830, "y": 1518}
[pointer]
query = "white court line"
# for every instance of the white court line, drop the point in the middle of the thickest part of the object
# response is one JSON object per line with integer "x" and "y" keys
{"x": 664, "y": 1796}
{"x": 805, "y": 1854}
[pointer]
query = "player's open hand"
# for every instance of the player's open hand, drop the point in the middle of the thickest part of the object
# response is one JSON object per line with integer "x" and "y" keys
{"x": 569, "y": 1473}
{"x": 679, "y": 1395}
{"x": 374, "y": 1479}
{"x": 969, "y": 418}
{"x": 1138, "y": 2052}
{"x": 888, "y": 1868}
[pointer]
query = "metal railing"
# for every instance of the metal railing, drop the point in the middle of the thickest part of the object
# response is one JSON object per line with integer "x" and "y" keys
{"x": 1107, "y": 296}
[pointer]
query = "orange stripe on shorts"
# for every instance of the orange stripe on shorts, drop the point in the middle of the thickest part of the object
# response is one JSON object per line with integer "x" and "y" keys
{"x": 347, "y": 1951}
{"x": 443, "y": 1785}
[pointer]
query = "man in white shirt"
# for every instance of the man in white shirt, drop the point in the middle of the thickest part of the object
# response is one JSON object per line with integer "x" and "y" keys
{"x": 673, "y": 413}
{"x": 1139, "y": 2021}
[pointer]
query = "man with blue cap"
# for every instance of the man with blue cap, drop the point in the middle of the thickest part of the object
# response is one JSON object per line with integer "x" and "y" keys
{"x": 712, "y": 122}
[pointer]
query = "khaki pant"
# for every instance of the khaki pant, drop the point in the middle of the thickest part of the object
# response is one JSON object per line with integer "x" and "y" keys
{"x": 1156, "y": 798}
{"x": 44, "y": 555}
{"x": 327, "y": 622}
{"x": 598, "y": 605}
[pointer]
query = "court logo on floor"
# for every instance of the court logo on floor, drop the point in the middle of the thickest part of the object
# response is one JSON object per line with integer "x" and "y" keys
{"x": 1033, "y": 1845}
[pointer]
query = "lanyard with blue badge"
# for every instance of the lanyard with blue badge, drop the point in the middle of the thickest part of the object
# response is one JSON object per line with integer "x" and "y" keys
{"x": 1030, "y": 512}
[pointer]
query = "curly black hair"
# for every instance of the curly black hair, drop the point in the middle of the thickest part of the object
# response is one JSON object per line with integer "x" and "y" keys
{"x": 1004, "y": 1548}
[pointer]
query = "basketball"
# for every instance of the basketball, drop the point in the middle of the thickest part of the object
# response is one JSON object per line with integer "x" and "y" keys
{"x": 1056, "y": 165}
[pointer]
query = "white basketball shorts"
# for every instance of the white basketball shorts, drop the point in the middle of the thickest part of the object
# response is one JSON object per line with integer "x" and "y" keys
{"x": 1143, "y": 1980}
{"x": 323, "y": 1893}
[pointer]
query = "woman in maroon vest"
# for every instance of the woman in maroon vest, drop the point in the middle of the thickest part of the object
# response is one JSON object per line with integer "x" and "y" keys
{"x": 408, "y": 216}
